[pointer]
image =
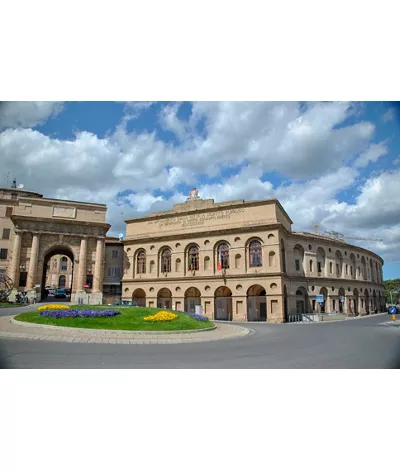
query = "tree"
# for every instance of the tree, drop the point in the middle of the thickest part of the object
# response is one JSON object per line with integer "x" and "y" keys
{"x": 392, "y": 285}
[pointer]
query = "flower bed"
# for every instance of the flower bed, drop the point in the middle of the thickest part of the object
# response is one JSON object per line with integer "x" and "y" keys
{"x": 54, "y": 307}
{"x": 161, "y": 316}
{"x": 198, "y": 317}
{"x": 78, "y": 313}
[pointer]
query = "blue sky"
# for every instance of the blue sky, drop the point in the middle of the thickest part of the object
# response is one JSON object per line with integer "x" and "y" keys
{"x": 335, "y": 164}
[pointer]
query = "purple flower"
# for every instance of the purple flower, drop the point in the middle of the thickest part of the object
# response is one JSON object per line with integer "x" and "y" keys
{"x": 198, "y": 317}
{"x": 78, "y": 313}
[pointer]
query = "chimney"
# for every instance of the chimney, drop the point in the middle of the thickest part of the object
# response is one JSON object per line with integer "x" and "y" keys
{"x": 316, "y": 229}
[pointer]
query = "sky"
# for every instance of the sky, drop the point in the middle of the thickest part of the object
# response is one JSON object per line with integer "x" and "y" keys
{"x": 335, "y": 164}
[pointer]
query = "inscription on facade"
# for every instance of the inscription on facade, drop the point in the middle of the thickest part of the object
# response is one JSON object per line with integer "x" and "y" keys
{"x": 196, "y": 220}
{"x": 66, "y": 212}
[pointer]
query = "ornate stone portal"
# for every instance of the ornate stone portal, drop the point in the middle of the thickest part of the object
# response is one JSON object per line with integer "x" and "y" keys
{"x": 74, "y": 229}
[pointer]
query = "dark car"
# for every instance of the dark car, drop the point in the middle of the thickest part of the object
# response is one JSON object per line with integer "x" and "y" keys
{"x": 60, "y": 294}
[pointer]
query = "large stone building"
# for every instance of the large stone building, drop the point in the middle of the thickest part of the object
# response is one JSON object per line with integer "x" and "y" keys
{"x": 241, "y": 261}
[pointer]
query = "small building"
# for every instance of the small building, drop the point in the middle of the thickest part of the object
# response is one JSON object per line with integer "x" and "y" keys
{"x": 113, "y": 270}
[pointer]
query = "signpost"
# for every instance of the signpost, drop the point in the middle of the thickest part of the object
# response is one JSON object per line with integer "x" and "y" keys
{"x": 393, "y": 311}
{"x": 319, "y": 298}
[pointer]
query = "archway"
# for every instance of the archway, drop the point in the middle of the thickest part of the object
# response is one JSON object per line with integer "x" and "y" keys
{"x": 301, "y": 301}
{"x": 374, "y": 303}
{"x": 256, "y": 303}
{"x": 61, "y": 280}
{"x": 342, "y": 299}
{"x": 139, "y": 297}
{"x": 367, "y": 306}
{"x": 223, "y": 303}
{"x": 324, "y": 304}
{"x": 285, "y": 303}
{"x": 356, "y": 301}
{"x": 192, "y": 298}
{"x": 164, "y": 298}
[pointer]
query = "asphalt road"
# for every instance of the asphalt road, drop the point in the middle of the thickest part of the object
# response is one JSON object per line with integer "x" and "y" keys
{"x": 360, "y": 343}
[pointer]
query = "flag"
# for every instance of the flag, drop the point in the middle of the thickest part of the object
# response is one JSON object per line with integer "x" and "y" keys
{"x": 190, "y": 263}
{"x": 219, "y": 260}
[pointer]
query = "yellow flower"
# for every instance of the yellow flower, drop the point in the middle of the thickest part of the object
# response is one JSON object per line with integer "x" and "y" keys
{"x": 54, "y": 307}
{"x": 161, "y": 316}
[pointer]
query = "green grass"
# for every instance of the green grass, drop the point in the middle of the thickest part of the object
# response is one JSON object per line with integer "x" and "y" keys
{"x": 131, "y": 318}
{"x": 6, "y": 305}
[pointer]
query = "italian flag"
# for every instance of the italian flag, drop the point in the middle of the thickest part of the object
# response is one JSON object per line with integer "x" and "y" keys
{"x": 219, "y": 260}
{"x": 190, "y": 263}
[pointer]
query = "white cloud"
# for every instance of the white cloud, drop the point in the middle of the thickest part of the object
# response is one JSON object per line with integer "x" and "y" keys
{"x": 27, "y": 113}
{"x": 309, "y": 142}
{"x": 389, "y": 115}
{"x": 372, "y": 154}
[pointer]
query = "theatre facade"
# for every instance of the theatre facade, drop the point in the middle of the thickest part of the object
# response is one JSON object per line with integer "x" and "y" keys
{"x": 241, "y": 261}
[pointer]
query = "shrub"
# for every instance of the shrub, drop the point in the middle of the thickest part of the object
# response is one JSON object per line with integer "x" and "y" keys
{"x": 161, "y": 316}
{"x": 54, "y": 307}
{"x": 78, "y": 313}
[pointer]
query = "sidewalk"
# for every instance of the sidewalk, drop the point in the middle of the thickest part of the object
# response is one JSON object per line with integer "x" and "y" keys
{"x": 12, "y": 329}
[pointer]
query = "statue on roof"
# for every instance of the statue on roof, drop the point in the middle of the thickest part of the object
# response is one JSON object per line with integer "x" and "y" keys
{"x": 194, "y": 194}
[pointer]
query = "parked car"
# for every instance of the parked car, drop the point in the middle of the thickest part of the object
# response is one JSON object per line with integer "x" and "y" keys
{"x": 61, "y": 294}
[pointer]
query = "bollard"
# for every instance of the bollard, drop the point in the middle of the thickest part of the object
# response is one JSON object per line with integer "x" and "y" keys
{"x": 394, "y": 317}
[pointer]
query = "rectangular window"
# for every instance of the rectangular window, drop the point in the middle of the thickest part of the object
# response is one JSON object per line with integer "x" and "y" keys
{"x": 319, "y": 267}
{"x": 297, "y": 265}
{"x": 114, "y": 272}
{"x": 3, "y": 253}
{"x": 22, "y": 279}
{"x": 330, "y": 268}
{"x": 9, "y": 211}
{"x": 6, "y": 234}
{"x": 351, "y": 270}
{"x": 89, "y": 280}
{"x": 115, "y": 253}
{"x": 14, "y": 196}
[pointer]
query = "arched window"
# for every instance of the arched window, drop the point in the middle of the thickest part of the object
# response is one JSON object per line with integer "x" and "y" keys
{"x": 166, "y": 261}
{"x": 255, "y": 254}
{"x": 141, "y": 262}
{"x": 54, "y": 264}
{"x": 193, "y": 259}
{"x": 223, "y": 256}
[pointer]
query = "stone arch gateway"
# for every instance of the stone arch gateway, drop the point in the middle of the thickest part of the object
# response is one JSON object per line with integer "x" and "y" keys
{"x": 45, "y": 227}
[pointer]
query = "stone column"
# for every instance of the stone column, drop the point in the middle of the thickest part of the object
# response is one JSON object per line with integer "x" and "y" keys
{"x": 82, "y": 265}
{"x": 14, "y": 268}
{"x": 98, "y": 267}
{"x": 33, "y": 261}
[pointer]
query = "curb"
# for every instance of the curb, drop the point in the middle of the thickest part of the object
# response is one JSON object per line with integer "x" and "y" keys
{"x": 359, "y": 317}
{"x": 91, "y": 330}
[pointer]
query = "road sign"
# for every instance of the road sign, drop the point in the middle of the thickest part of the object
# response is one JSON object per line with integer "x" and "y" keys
{"x": 393, "y": 310}
{"x": 319, "y": 298}
{"x": 342, "y": 298}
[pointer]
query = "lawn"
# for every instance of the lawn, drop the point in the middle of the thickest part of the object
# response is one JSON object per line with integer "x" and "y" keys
{"x": 131, "y": 318}
{"x": 6, "y": 305}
